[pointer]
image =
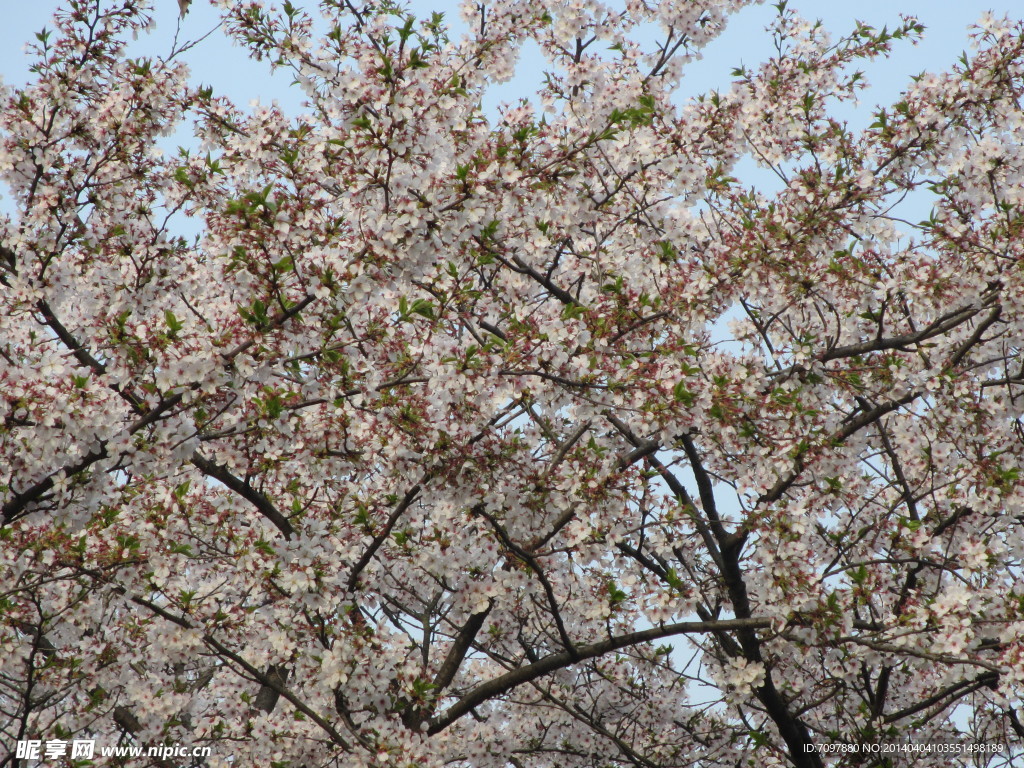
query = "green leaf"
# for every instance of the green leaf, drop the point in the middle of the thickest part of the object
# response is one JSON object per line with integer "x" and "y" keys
{"x": 256, "y": 313}
{"x": 183, "y": 177}
{"x": 174, "y": 325}
{"x": 832, "y": 601}
{"x": 274, "y": 405}
{"x": 682, "y": 394}
{"x": 759, "y": 738}
{"x": 615, "y": 594}
{"x": 488, "y": 231}
{"x": 860, "y": 575}
{"x": 674, "y": 581}
{"x": 573, "y": 311}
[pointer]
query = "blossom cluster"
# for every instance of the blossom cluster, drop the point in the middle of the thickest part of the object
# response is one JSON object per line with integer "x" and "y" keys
{"x": 533, "y": 436}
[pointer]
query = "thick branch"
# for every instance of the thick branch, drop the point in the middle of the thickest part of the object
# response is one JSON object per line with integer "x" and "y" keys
{"x": 256, "y": 498}
{"x": 505, "y": 683}
{"x": 380, "y": 538}
{"x": 940, "y": 326}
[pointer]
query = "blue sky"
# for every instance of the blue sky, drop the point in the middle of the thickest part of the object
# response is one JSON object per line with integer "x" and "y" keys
{"x": 216, "y": 62}
{"x": 226, "y": 68}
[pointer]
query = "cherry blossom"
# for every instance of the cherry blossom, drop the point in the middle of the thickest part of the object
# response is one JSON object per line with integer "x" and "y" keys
{"x": 405, "y": 432}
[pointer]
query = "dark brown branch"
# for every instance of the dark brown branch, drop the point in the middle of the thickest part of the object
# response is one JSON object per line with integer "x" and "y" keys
{"x": 726, "y": 541}
{"x": 273, "y": 681}
{"x": 277, "y": 321}
{"x": 505, "y": 683}
{"x": 559, "y": 293}
{"x": 463, "y": 642}
{"x": 940, "y": 326}
{"x": 256, "y": 498}
{"x": 269, "y": 692}
{"x": 18, "y": 504}
{"x": 380, "y": 538}
{"x": 957, "y": 690}
{"x": 534, "y": 566}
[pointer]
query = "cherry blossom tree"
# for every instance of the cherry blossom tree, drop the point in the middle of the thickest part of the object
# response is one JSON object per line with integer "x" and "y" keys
{"x": 401, "y": 433}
